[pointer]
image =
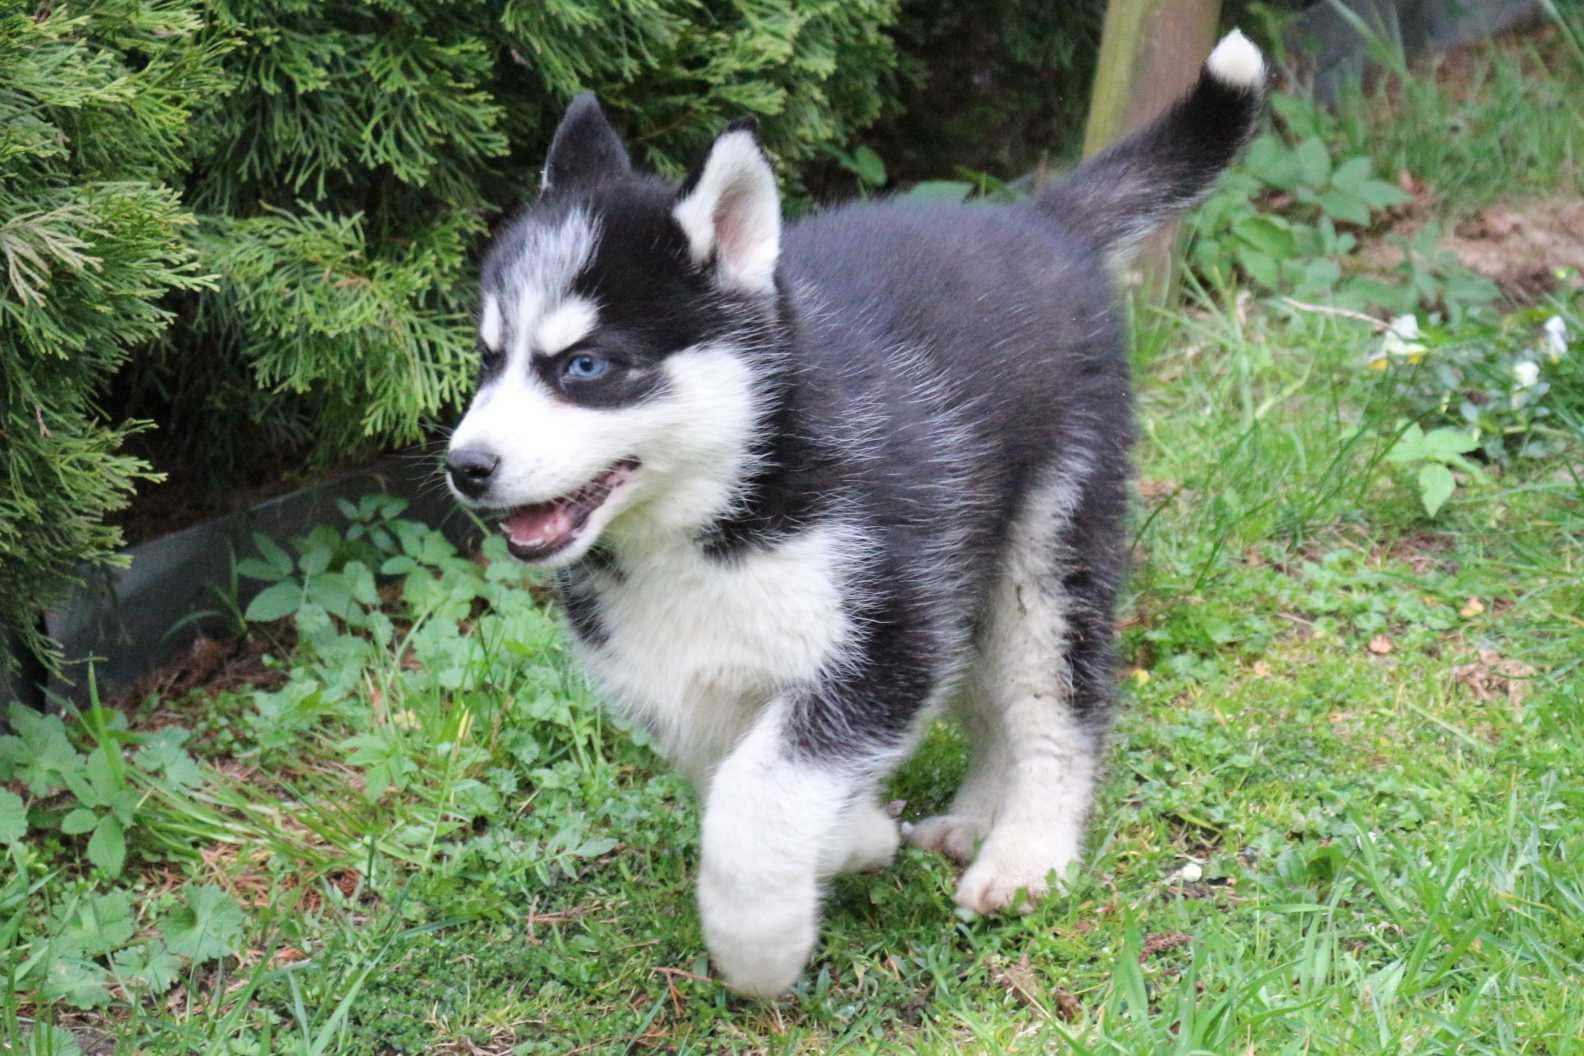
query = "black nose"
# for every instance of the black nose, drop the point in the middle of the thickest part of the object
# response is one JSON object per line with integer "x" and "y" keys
{"x": 471, "y": 469}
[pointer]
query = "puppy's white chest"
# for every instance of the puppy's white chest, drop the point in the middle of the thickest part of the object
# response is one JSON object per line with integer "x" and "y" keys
{"x": 694, "y": 647}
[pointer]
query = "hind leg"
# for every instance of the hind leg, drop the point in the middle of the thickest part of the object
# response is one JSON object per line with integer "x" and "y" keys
{"x": 957, "y": 832}
{"x": 1047, "y": 670}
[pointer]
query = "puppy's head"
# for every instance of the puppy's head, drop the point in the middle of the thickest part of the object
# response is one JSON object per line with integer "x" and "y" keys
{"x": 619, "y": 326}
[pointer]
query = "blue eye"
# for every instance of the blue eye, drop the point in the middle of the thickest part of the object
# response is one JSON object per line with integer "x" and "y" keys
{"x": 585, "y": 367}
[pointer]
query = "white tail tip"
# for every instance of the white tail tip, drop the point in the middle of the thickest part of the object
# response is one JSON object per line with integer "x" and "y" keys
{"x": 1236, "y": 61}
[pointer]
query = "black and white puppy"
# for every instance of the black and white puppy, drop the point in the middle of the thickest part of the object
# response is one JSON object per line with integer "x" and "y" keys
{"x": 805, "y": 486}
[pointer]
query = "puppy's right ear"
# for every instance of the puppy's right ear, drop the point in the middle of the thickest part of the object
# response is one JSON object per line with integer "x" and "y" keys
{"x": 586, "y": 150}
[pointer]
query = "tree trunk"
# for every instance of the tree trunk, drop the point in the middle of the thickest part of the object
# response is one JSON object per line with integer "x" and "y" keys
{"x": 1150, "y": 53}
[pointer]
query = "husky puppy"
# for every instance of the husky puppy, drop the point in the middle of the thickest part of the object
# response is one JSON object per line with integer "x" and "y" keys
{"x": 804, "y": 485}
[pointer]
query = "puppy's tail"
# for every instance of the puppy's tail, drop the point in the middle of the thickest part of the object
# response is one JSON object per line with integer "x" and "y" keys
{"x": 1126, "y": 191}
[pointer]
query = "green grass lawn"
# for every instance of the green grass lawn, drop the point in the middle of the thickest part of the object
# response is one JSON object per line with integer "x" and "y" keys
{"x": 1344, "y": 810}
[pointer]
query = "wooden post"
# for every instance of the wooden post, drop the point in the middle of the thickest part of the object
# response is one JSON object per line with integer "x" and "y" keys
{"x": 1150, "y": 53}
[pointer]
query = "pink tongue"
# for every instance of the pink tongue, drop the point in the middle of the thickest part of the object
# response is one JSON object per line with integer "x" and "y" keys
{"x": 539, "y": 525}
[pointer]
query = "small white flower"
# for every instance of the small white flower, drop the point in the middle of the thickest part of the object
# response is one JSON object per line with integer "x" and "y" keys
{"x": 1191, "y": 872}
{"x": 1526, "y": 373}
{"x": 1406, "y": 327}
{"x": 1556, "y": 338}
{"x": 1401, "y": 341}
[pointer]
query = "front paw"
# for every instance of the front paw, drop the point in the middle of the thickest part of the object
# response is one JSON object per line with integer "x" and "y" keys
{"x": 759, "y": 938}
{"x": 868, "y": 839}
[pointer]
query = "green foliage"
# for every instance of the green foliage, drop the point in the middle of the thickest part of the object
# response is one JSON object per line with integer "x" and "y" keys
{"x": 1511, "y": 381}
{"x": 1287, "y": 221}
{"x": 93, "y": 103}
{"x": 1436, "y": 454}
{"x": 253, "y": 221}
{"x": 346, "y": 180}
{"x": 84, "y": 797}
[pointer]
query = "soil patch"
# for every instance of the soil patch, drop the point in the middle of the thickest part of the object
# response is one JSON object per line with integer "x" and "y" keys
{"x": 1527, "y": 248}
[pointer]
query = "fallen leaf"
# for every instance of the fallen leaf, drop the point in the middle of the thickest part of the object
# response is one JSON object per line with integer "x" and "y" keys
{"x": 1023, "y": 984}
{"x": 1380, "y": 645}
{"x": 1492, "y": 675}
{"x": 1472, "y": 608}
{"x": 1168, "y": 940}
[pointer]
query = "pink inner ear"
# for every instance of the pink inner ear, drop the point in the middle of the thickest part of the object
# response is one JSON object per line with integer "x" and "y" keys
{"x": 734, "y": 227}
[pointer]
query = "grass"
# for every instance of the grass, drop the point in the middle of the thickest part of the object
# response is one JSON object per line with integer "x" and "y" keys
{"x": 1344, "y": 811}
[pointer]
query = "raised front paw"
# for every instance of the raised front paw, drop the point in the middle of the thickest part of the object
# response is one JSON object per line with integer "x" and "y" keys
{"x": 759, "y": 939}
{"x": 868, "y": 839}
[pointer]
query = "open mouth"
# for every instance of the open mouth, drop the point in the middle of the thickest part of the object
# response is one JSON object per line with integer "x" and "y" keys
{"x": 535, "y": 532}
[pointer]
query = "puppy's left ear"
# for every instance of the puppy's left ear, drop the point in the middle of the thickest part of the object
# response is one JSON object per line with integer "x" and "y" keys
{"x": 731, "y": 213}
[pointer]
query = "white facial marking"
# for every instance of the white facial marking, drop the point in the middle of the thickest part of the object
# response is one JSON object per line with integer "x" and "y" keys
{"x": 734, "y": 212}
{"x": 491, "y": 324}
{"x": 540, "y": 280}
{"x": 548, "y": 448}
{"x": 564, "y": 326}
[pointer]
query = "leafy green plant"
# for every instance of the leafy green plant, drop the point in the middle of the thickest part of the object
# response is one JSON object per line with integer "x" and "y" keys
{"x": 1436, "y": 454}
{"x": 1487, "y": 377}
{"x": 866, "y": 166}
{"x": 1287, "y": 219}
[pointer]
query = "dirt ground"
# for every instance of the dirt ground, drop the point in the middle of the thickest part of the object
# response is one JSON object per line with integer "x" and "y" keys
{"x": 1527, "y": 247}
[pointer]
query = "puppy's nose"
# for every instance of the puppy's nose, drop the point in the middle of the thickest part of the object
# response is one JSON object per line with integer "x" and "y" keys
{"x": 470, "y": 469}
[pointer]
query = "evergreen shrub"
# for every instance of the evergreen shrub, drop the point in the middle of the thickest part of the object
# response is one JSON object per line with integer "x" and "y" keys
{"x": 93, "y": 107}
{"x": 252, "y": 221}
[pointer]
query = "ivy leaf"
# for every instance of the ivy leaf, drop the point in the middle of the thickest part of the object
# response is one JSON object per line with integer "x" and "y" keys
{"x": 1435, "y": 487}
{"x": 274, "y": 602}
{"x": 208, "y": 926}
{"x": 13, "y": 817}
{"x": 107, "y": 845}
